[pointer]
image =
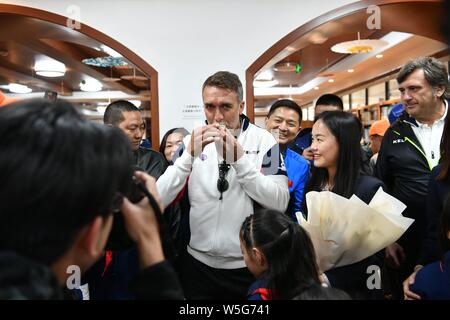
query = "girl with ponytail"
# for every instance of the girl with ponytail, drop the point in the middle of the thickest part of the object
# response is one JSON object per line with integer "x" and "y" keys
{"x": 280, "y": 254}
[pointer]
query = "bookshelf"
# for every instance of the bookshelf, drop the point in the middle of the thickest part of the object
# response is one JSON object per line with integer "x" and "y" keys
{"x": 371, "y": 113}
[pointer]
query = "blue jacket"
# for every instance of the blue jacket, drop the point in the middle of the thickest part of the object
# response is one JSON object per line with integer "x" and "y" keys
{"x": 297, "y": 170}
{"x": 433, "y": 281}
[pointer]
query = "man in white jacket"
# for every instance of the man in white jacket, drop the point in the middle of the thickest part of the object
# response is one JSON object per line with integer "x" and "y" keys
{"x": 232, "y": 166}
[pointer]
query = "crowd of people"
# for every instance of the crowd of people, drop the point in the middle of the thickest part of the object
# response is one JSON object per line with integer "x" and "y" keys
{"x": 212, "y": 215}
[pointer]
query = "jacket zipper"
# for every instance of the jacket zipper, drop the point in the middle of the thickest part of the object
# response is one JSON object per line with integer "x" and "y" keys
{"x": 418, "y": 148}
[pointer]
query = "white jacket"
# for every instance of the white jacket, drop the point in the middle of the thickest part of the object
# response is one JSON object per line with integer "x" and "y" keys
{"x": 215, "y": 223}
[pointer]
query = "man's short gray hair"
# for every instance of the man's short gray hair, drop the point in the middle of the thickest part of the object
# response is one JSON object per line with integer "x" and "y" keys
{"x": 433, "y": 69}
{"x": 225, "y": 80}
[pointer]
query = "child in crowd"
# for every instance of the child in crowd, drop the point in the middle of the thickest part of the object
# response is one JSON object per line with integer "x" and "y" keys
{"x": 280, "y": 254}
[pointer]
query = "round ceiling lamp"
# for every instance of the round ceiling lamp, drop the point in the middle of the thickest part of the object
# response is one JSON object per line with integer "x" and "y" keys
{"x": 359, "y": 46}
{"x": 49, "y": 68}
{"x": 285, "y": 67}
{"x": 91, "y": 85}
{"x": 18, "y": 88}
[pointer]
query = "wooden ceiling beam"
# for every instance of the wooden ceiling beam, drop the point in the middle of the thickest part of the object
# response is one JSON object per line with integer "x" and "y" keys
{"x": 72, "y": 62}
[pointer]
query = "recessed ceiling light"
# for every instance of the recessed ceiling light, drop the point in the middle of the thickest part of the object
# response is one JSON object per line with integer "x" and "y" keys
{"x": 264, "y": 83}
{"x": 330, "y": 80}
{"x": 316, "y": 88}
{"x": 265, "y": 75}
{"x": 379, "y": 56}
{"x": 350, "y": 70}
{"x": 49, "y": 68}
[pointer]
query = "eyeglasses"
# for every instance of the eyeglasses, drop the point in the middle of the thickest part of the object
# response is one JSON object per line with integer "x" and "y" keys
{"x": 222, "y": 183}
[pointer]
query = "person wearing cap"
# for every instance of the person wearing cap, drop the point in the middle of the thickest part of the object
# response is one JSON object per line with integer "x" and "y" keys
{"x": 395, "y": 112}
{"x": 376, "y": 134}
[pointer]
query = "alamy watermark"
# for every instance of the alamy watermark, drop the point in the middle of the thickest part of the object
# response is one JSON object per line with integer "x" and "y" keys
{"x": 73, "y": 17}
{"x": 74, "y": 279}
{"x": 374, "y": 279}
{"x": 374, "y": 20}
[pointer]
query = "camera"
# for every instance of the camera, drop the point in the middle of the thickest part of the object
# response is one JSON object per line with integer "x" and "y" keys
{"x": 119, "y": 238}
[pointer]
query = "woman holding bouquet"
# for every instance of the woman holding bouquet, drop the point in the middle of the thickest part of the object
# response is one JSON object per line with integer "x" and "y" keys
{"x": 336, "y": 148}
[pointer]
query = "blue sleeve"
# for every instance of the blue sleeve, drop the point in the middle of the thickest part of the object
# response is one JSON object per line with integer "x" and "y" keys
{"x": 300, "y": 187}
{"x": 298, "y": 174}
{"x": 178, "y": 153}
{"x": 419, "y": 285}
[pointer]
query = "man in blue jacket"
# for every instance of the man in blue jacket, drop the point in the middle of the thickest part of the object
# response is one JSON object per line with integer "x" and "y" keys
{"x": 283, "y": 121}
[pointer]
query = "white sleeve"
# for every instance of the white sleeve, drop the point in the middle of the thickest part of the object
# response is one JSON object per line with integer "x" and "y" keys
{"x": 270, "y": 191}
{"x": 174, "y": 178}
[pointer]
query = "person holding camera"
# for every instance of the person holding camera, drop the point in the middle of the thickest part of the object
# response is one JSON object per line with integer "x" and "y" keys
{"x": 110, "y": 276}
{"x": 61, "y": 179}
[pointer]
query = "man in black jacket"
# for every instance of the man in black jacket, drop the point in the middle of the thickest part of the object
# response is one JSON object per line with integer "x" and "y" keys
{"x": 61, "y": 179}
{"x": 127, "y": 117}
{"x": 409, "y": 151}
{"x": 110, "y": 277}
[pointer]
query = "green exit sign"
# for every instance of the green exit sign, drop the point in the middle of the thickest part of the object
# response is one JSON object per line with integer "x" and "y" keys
{"x": 298, "y": 68}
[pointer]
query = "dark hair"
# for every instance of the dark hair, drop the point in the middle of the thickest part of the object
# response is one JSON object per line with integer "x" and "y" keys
{"x": 444, "y": 174}
{"x": 225, "y": 80}
{"x": 330, "y": 100}
{"x": 113, "y": 113}
{"x": 347, "y": 130}
{"x": 320, "y": 292}
{"x": 162, "y": 147}
{"x": 287, "y": 248}
{"x": 445, "y": 227}
{"x": 433, "y": 69}
{"x": 286, "y": 103}
{"x": 57, "y": 173}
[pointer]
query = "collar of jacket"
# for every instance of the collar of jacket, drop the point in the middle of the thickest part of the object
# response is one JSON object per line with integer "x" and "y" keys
{"x": 403, "y": 128}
